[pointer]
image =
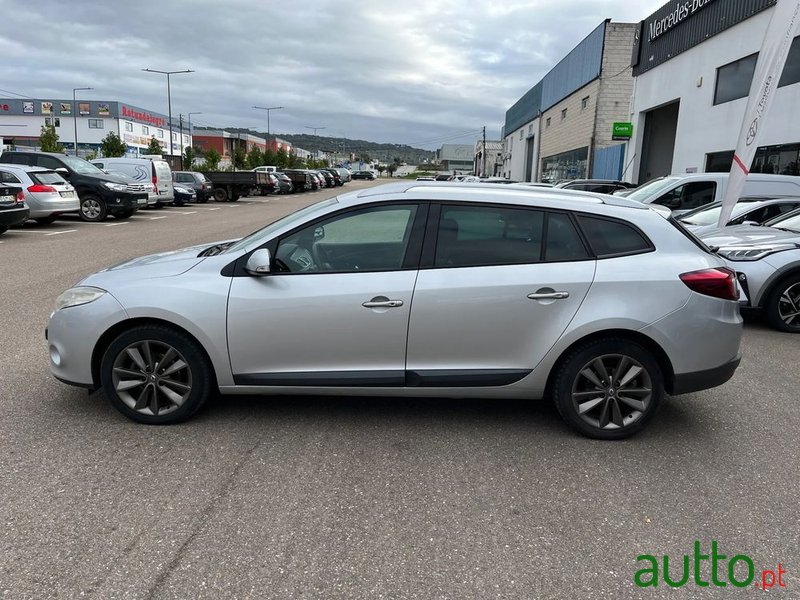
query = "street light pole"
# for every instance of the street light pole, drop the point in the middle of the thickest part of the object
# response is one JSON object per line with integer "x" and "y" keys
{"x": 314, "y": 128}
{"x": 268, "y": 109}
{"x": 169, "y": 98}
{"x": 75, "y": 114}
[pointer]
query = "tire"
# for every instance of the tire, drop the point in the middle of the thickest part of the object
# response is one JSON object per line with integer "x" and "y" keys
{"x": 178, "y": 203}
{"x": 123, "y": 214}
{"x": 220, "y": 195}
{"x": 234, "y": 198}
{"x": 93, "y": 209}
{"x": 3, "y": 229}
{"x": 189, "y": 385}
{"x": 782, "y": 306}
{"x": 611, "y": 417}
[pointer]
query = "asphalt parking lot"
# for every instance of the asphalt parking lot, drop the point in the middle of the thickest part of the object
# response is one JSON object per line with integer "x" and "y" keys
{"x": 365, "y": 497}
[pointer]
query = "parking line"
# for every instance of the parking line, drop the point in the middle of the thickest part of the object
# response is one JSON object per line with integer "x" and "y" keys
{"x": 177, "y": 212}
{"x": 60, "y": 232}
{"x": 115, "y": 224}
{"x": 155, "y": 218}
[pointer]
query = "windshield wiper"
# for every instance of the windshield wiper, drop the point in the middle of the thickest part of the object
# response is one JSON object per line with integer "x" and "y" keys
{"x": 786, "y": 229}
{"x": 214, "y": 250}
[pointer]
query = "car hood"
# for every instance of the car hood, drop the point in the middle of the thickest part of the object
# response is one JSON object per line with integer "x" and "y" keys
{"x": 748, "y": 235}
{"x": 162, "y": 264}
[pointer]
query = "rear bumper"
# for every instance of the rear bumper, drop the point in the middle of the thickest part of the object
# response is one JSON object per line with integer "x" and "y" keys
{"x": 14, "y": 216}
{"x": 703, "y": 380}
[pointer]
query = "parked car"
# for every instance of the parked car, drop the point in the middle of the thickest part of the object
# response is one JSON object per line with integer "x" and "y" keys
{"x": 327, "y": 178}
{"x": 196, "y": 181}
{"x": 266, "y": 169}
{"x": 592, "y": 300}
{"x": 345, "y": 174}
{"x": 301, "y": 180}
{"x": 502, "y": 180}
{"x": 600, "y": 186}
{"x": 184, "y": 195}
{"x": 144, "y": 170}
{"x": 766, "y": 259}
{"x": 753, "y": 210}
{"x": 682, "y": 193}
{"x": 101, "y": 194}
{"x": 285, "y": 185}
{"x": 46, "y": 193}
{"x": 337, "y": 178}
{"x": 363, "y": 175}
{"x": 425, "y": 178}
{"x": 444, "y": 177}
{"x": 13, "y": 210}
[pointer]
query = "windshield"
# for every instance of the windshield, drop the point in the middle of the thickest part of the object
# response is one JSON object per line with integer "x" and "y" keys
{"x": 792, "y": 223}
{"x": 81, "y": 166}
{"x": 710, "y": 216}
{"x": 262, "y": 235}
{"x": 652, "y": 189}
{"x": 47, "y": 178}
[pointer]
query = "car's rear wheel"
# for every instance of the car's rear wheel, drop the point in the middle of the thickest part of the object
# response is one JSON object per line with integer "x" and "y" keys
{"x": 608, "y": 389}
{"x": 93, "y": 209}
{"x": 156, "y": 375}
{"x": 783, "y": 305}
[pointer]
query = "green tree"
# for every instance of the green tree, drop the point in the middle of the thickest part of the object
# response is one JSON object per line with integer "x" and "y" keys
{"x": 294, "y": 160}
{"x": 112, "y": 146}
{"x": 154, "y": 147}
{"x": 381, "y": 169}
{"x": 282, "y": 158}
{"x": 189, "y": 156}
{"x": 269, "y": 158}
{"x": 254, "y": 158}
{"x": 239, "y": 157}
{"x": 391, "y": 169}
{"x": 212, "y": 160}
{"x": 363, "y": 157}
{"x": 48, "y": 140}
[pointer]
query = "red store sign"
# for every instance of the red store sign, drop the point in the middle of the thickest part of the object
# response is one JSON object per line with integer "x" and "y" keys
{"x": 143, "y": 116}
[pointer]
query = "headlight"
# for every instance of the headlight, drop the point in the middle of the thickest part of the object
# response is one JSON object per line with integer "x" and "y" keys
{"x": 116, "y": 187}
{"x": 77, "y": 296}
{"x": 750, "y": 253}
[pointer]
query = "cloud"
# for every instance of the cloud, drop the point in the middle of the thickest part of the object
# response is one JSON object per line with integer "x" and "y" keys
{"x": 386, "y": 72}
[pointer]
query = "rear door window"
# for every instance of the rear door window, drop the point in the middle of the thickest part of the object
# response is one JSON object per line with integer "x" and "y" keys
{"x": 48, "y": 162}
{"x": 689, "y": 195}
{"x": 609, "y": 237}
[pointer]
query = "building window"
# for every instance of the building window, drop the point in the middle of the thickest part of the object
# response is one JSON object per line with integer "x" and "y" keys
{"x": 128, "y": 126}
{"x": 186, "y": 139}
{"x": 791, "y": 70}
{"x": 547, "y": 123}
{"x": 563, "y": 114}
{"x": 734, "y": 79}
{"x": 783, "y": 159}
{"x": 95, "y": 123}
{"x": 55, "y": 122}
{"x": 567, "y": 165}
{"x": 145, "y": 130}
{"x": 521, "y": 133}
{"x": 530, "y": 129}
{"x": 160, "y": 133}
{"x": 174, "y": 136}
{"x": 585, "y": 103}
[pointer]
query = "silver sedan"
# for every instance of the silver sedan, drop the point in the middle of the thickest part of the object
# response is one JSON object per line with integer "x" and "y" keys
{"x": 416, "y": 289}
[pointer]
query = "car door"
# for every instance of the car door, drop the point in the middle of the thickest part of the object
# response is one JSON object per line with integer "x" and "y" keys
{"x": 496, "y": 289}
{"x": 334, "y": 310}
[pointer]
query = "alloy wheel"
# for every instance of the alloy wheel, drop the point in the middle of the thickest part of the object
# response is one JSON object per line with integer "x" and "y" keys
{"x": 91, "y": 208}
{"x": 152, "y": 377}
{"x": 612, "y": 391}
{"x": 789, "y": 305}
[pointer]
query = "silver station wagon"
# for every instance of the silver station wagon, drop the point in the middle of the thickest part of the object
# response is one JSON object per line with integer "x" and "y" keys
{"x": 416, "y": 289}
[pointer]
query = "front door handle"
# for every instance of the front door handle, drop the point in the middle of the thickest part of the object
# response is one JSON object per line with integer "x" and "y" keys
{"x": 549, "y": 296}
{"x": 382, "y": 302}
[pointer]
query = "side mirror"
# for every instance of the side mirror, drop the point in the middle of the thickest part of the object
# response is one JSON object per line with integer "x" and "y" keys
{"x": 63, "y": 172}
{"x": 319, "y": 233}
{"x": 259, "y": 263}
{"x": 755, "y": 223}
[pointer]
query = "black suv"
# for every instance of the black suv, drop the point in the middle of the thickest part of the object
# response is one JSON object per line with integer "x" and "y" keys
{"x": 12, "y": 207}
{"x": 101, "y": 193}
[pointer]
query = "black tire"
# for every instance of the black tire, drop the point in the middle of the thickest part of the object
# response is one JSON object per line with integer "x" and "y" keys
{"x": 196, "y": 375}
{"x": 782, "y": 301}
{"x": 202, "y": 201}
{"x": 220, "y": 195}
{"x": 621, "y": 420}
{"x": 234, "y": 198}
{"x": 123, "y": 214}
{"x": 3, "y": 229}
{"x": 93, "y": 209}
{"x": 45, "y": 220}
{"x": 178, "y": 203}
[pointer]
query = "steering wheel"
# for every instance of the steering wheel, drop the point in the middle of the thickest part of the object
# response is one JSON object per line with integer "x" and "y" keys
{"x": 296, "y": 258}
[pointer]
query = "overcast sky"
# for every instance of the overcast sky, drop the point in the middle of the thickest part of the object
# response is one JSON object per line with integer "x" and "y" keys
{"x": 415, "y": 72}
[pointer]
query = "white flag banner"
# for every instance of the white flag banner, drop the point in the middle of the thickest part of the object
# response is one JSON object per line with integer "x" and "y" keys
{"x": 782, "y": 29}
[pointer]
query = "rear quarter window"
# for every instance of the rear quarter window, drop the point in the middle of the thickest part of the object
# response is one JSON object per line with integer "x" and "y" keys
{"x": 609, "y": 237}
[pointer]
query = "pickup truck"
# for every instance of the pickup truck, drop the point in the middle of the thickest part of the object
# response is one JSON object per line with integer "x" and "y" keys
{"x": 682, "y": 193}
{"x": 229, "y": 186}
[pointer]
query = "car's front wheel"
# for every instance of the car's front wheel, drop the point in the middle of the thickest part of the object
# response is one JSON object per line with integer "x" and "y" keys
{"x": 783, "y": 305}
{"x": 156, "y": 375}
{"x": 608, "y": 389}
{"x": 93, "y": 209}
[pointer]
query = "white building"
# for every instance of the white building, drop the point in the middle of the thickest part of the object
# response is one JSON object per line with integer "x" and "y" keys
{"x": 488, "y": 163}
{"x": 21, "y": 124}
{"x": 693, "y": 69}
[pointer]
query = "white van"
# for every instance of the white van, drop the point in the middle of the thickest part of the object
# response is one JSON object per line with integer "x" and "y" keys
{"x": 266, "y": 169}
{"x": 682, "y": 193}
{"x": 146, "y": 170}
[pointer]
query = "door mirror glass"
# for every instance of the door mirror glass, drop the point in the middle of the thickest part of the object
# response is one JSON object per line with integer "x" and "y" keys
{"x": 63, "y": 172}
{"x": 259, "y": 263}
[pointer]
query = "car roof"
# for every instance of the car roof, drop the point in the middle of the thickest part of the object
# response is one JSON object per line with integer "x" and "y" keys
{"x": 26, "y": 168}
{"x": 489, "y": 192}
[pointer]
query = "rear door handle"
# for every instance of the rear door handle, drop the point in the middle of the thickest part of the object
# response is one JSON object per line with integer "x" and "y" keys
{"x": 548, "y": 296}
{"x": 374, "y": 303}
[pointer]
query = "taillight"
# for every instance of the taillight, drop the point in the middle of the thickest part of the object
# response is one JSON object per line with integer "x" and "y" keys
{"x": 41, "y": 188}
{"x": 719, "y": 283}
{"x": 20, "y": 197}
{"x": 155, "y": 184}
